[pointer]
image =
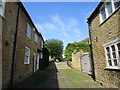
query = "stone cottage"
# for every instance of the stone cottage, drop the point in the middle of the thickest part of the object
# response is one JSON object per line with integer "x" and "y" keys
{"x": 22, "y": 44}
{"x": 104, "y": 31}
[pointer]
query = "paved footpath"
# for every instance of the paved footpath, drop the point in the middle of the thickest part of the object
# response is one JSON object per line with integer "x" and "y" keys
{"x": 58, "y": 78}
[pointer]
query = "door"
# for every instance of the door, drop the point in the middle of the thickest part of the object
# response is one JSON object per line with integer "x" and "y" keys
{"x": 34, "y": 61}
{"x": 38, "y": 58}
{"x": 86, "y": 64}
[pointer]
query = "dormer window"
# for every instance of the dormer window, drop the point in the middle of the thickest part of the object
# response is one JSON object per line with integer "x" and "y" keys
{"x": 2, "y": 7}
{"x": 117, "y": 4}
{"x": 108, "y": 9}
{"x": 103, "y": 14}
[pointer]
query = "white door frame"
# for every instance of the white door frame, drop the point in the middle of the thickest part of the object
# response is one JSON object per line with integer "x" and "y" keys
{"x": 38, "y": 61}
{"x": 34, "y": 61}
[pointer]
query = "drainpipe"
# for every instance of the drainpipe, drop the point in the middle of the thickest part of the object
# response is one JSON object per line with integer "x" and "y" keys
{"x": 14, "y": 49}
{"x": 91, "y": 52}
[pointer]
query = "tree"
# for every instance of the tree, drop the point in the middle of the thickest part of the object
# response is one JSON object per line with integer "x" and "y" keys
{"x": 55, "y": 48}
{"x": 75, "y": 46}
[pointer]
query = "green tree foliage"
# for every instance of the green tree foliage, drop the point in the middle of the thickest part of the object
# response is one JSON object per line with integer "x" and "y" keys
{"x": 75, "y": 46}
{"x": 55, "y": 48}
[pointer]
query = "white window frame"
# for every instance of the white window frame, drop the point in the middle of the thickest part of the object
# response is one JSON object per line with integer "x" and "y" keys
{"x": 106, "y": 12}
{"x": 41, "y": 43}
{"x": 36, "y": 38}
{"x": 28, "y": 30}
{"x": 28, "y": 60}
{"x": 2, "y": 7}
{"x": 41, "y": 55}
{"x": 114, "y": 42}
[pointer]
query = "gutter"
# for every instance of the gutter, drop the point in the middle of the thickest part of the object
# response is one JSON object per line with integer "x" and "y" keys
{"x": 91, "y": 53}
{"x": 14, "y": 49}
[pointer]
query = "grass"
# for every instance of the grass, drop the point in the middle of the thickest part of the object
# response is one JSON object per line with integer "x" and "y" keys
{"x": 78, "y": 76}
{"x": 37, "y": 80}
{"x": 81, "y": 80}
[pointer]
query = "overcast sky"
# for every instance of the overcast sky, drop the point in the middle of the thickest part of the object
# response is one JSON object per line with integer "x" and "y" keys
{"x": 66, "y": 21}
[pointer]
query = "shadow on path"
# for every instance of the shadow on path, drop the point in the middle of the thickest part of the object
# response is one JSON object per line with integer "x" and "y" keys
{"x": 52, "y": 81}
{"x": 42, "y": 79}
{"x": 59, "y": 76}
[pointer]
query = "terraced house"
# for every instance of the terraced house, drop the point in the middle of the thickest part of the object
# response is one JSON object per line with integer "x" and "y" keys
{"x": 104, "y": 30}
{"x": 22, "y": 44}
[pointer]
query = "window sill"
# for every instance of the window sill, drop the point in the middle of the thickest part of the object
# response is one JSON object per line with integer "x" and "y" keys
{"x": 36, "y": 42}
{"x": 2, "y": 16}
{"x": 109, "y": 16}
{"x": 28, "y": 37}
{"x": 26, "y": 63}
{"x": 112, "y": 68}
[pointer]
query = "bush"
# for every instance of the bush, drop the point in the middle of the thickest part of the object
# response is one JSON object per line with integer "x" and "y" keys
{"x": 75, "y": 46}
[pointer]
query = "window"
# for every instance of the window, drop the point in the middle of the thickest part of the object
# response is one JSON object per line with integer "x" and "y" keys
{"x": 27, "y": 55}
{"x": 113, "y": 54}
{"x": 103, "y": 14}
{"x": 36, "y": 38}
{"x": 108, "y": 9}
{"x": 41, "y": 55}
{"x": 2, "y": 7}
{"x": 28, "y": 30}
{"x": 108, "y": 56}
{"x": 116, "y": 3}
{"x": 41, "y": 43}
{"x": 118, "y": 50}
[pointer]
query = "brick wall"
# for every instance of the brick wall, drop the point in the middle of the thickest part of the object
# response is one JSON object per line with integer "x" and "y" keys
{"x": 101, "y": 34}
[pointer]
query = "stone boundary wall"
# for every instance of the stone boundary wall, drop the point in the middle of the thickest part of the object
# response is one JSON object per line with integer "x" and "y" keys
{"x": 76, "y": 59}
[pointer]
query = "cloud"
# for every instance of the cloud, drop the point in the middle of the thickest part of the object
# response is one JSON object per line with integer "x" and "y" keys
{"x": 49, "y": 26}
{"x": 46, "y": 26}
{"x": 56, "y": 24}
{"x": 39, "y": 27}
{"x": 41, "y": 18}
{"x": 56, "y": 19}
{"x": 77, "y": 32}
{"x": 72, "y": 22}
{"x": 65, "y": 34}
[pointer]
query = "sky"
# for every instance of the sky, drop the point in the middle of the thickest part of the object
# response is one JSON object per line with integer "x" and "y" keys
{"x": 66, "y": 21}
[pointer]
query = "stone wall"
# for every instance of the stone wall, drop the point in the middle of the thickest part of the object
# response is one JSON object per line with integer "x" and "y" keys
{"x": 101, "y": 34}
{"x": 21, "y": 70}
{"x": 76, "y": 56}
{"x": 0, "y": 52}
{"x": 8, "y": 32}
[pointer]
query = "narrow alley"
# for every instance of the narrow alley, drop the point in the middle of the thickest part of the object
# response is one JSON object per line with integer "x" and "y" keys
{"x": 59, "y": 75}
